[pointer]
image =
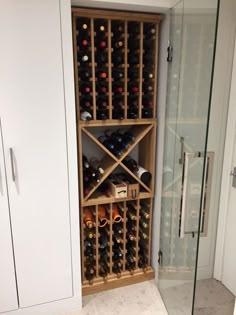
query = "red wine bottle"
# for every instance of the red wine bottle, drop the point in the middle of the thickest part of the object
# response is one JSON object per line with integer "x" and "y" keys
{"x": 118, "y": 102}
{"x": 101, "y": 102}
{"x": 85, "y": 74}
{"x": 117, "y": 43}
{"x": 130, "y": 163}
{"x": 101, "y": 88}
{"x": 117, "y": 29}
{"x": 101, "y": 74}
{"x": 117, "y": 59}
{"x": 133, "y": 88}
{"x": 101, "y": 59}
{"x": 117, "y": 88}
{"x": 85, "y": 88}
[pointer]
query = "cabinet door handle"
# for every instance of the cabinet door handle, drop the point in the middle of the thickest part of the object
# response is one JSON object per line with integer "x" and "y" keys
{"x": 12, "y": 165}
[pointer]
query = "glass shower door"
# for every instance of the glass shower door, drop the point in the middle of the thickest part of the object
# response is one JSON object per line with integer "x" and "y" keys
{"x": 187, "y": 165}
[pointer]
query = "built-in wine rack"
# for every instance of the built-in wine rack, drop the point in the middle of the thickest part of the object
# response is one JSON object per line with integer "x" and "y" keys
{"x": 115, "y": 62}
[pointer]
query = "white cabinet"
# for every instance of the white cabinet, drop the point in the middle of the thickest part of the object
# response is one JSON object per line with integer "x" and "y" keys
{"x": 8, "y": 292}
{"x": 32, "y": 112}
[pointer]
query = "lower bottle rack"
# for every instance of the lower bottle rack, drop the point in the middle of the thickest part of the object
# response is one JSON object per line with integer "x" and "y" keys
{"x": 116, "y": 241}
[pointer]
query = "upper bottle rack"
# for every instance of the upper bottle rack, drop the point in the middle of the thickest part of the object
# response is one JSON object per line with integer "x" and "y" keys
{"x": 116, "y": 62}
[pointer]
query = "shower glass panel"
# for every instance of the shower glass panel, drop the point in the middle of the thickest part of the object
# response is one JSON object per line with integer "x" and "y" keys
{"x": 186, "y": 163}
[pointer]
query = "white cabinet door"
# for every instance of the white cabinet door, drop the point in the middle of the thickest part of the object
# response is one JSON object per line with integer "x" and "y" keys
{"x": 32, "y": 110}
{"x": 8, "y": 292}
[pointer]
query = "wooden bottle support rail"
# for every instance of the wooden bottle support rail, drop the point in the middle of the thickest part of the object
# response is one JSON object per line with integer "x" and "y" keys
{"x": 143, "y": 130}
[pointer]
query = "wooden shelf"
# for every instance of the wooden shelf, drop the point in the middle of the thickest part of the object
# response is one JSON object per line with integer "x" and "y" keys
{"x": 135, "y": 243}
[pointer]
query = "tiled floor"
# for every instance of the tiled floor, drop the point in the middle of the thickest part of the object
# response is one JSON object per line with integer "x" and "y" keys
{"x": 212, "y": 298}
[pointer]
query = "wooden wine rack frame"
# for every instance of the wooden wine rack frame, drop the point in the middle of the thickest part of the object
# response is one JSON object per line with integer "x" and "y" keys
{"x": 144, "y": 131}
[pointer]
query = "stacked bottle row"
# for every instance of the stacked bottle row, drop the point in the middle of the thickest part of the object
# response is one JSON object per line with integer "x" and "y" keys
{"x": 116, "y": 66}
{"x": 116, "y": 239}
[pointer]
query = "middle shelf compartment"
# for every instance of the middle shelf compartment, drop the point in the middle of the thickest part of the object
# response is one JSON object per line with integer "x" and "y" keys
{"x": 116, "y": 162}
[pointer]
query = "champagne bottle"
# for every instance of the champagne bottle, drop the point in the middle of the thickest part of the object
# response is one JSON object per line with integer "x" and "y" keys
{"x": 142, "y": 234}
{"x": 88, "y": 217}
{"x": 116, "y": 214}
{"x": 97, "y": 165}
{"x": 144, "y": 212}
{"x": 131, "y": 213}
{"x": 130, "y": 163}
{"x": 143, "y": 223}
{"x": 102, "y": 216}
{"x": 117, "y": 74}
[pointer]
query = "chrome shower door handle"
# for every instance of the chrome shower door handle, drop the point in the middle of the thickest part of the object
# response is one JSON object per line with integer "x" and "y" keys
{"x": 13, "y": 171}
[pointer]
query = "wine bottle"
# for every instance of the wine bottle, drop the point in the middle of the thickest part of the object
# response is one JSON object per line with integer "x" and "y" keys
{"x": 117, "y": 228}
{"x": 143, "y": 223}
{"x": 102, "y": 216}
{"x": 147, "y": 101}
{"x": 101, "y": 43}
{"x": 103, "y": 269}
{"x": 97, "y": 165}
{"x": 85, "y": 74}
{"x": 101, "y": 102}
{"x": 133, "y": 44}
{"x": 117, "y": 59}
{"x": 130, "y": 225}
{"x": 117, "y": 255}
{"x": 142, "y": 234}
{"x": 118, "y": 102}
{"x": 101, "y": 59}
{"x": 147, "y": 113}
{"x": 144, "y": 212}
{"x": 130, "y": 163}
{"x": 117, "y": 88}
{"x": 101, "y": 88}
{"x": 133, "y": 74}
{"x": 117, "y": 30}
{"x": 85, "y": 162}
{"x": 85, "y": 88}
{"x": 130, "y": 259}
{"x": 89, "y": 234}
{"x": 143, "y": 262}
{"x": 149, "y": 30}
{"x": 101, "y": 74}
{"x": 132, "y": 113}
{"x": 148, "y": 59}
{"x": 103, "y": 240}
{"x": 133, "y": 59}
{"x": 147, "y": 88}
{"x": 130, "y": 236}
{"x": 103, "y": 253}
{"x": 117, "y": 74}
{"x": 131, "y": 213}
{"x": 118, "y": 114}
{"x": 127, "y": 136}
{"x": 117, "y": 238}
{"x": 117, "y": 43}
{"x": 88, "y": 217}
{"x": 130, "y": 249}
{"x": 83, "y": 58}
{"x": 133, "y": 101}
{"x": 89, "y": 275}
{"x": 83, "y": 41}
{"x": 102, "y": 114}
{"x": 104, "y": 188}
{"x": 116, "y": 214}
{"x": 143, "y": 174}
{"x": 133, "y": 29}
{"x": 133, "y": 88}
{"x": 148, "y": 75}
{"x": 116, "y": 269}
{"x": 114, "y": 136}
{"x": 109, "y": 144}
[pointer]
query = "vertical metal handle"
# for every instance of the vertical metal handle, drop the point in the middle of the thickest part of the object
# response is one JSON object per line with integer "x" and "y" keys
{"x": 184, "y": 195}
{"x": 12, "y": 165}
{"x": 181, "y": 160}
